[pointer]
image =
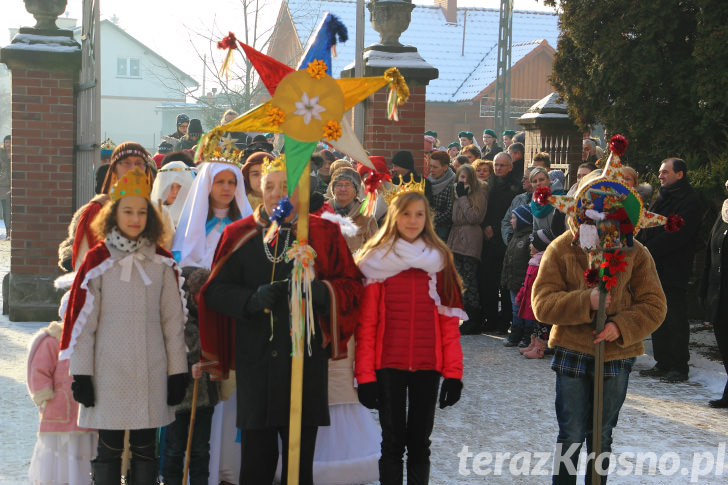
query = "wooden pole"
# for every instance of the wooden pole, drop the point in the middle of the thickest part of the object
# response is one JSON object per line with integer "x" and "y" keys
{"x": 193, "y": 412}
{"x": 598, "y": 402}
{"x": 294, "y": 425}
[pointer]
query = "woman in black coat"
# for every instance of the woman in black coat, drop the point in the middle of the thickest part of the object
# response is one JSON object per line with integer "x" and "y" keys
{"x": 714, "y": 289}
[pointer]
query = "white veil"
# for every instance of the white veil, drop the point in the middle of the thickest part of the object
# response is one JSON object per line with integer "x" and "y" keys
{"x": 190, "y": 239}
{"x": 173, "y": 173}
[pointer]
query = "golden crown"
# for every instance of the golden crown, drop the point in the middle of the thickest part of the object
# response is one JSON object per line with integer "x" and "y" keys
{"x": 220, "y": 149}
{"x": 133, "y": 182}
{"x": 404, "y": 188}
{"x": 274, "y": 164}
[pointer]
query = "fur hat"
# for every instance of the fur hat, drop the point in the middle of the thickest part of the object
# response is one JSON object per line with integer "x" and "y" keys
{"x": 523, "y": 217}
{"x": 182, "y": 118}
{"x": 404, "y": 159}
{"x": 541, "y": 238}
{"x": 340, "y": 163}
{"x": 557, "y": 180}
{"x": 195, "y": 128}
{"x": 346, "y": 173}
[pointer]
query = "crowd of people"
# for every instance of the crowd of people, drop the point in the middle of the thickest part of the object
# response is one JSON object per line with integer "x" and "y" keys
{"x": 177, "y": 290}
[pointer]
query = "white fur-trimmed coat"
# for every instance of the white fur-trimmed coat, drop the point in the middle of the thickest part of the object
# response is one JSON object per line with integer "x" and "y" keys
{"x": 131, "y": 340}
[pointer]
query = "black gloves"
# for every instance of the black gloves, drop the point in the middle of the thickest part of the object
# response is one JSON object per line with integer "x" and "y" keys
{"x": 83, "y": 390}
{"x": 449, "y": 392}
{"x": 320, "y": 295}
{"x": 461, "y": 189}
{"x": 369, "y": 394}
{"x": 266, "y": 296}
{"x": 176, "y": 388}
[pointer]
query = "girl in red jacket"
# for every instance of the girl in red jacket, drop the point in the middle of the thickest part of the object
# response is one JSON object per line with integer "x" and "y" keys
{"x": 408, "y": 336}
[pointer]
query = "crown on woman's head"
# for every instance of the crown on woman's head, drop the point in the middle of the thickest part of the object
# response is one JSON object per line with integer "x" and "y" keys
{"x": 274, "y": 164}
{"x": 222, "y": 155}
{"x": 404, "y": 188}
{"x": 133, "y": 182}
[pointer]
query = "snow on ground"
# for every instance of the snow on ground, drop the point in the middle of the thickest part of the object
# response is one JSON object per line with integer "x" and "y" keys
{"x": 506, "y": 408}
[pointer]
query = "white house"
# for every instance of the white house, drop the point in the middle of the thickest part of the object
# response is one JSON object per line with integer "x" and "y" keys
{"x": 135, "y": 81}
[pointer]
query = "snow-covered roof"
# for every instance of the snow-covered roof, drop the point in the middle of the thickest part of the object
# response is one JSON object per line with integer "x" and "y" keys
{"x": 466, "y": 68}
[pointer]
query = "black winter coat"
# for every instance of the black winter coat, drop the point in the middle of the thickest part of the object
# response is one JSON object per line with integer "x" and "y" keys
{"x": 714, "y": 281}
{"x": 263, "y": 362}
{"x": 673, "y": 252}
{"x": 502, "y": 191}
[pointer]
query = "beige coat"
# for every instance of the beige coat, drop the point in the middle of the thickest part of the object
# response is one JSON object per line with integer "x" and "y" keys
{"x": 466, "y": 235}
{"x": 367, "y": 228}
{"x": 132, "y": 339}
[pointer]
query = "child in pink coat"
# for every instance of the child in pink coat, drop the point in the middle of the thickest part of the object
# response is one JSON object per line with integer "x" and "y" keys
{"x": 63, "y": 451}
{"x": 540, "y": 335}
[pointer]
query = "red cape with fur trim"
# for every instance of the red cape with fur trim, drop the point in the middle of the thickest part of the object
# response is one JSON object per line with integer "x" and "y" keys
{"x": 77, "y": 298}
{"x": 83, "y": 229}
{"x": 333, "y": 265}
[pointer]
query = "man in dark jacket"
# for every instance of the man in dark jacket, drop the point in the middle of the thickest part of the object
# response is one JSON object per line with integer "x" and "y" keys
{"x": 502, "y": 191}
{"x": 245, "y": 323}
{"x": 673, "y": 255}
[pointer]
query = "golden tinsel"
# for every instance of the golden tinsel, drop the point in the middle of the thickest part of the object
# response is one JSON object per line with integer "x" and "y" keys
{"x": 332, "y": 130}
{"x": 393, "y": 76}
{"x": 317, "y": 68}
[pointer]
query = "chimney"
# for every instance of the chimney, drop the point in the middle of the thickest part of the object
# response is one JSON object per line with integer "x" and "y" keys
{"x": 450, "y": 9}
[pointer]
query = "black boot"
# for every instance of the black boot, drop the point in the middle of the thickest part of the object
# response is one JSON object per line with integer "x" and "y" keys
{"x": 418, "y": 473}
{"x": 514, "y": 338}
{"x": 723, "y": 401}
{"x": 106, "y": 473}
{"x": 390, "y": 473}
{"x": 144, "y": 472}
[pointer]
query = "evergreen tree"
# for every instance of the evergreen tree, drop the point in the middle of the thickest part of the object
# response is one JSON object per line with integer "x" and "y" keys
{"x": 654, "y": 71}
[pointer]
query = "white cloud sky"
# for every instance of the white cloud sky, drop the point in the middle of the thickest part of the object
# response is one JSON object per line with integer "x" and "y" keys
{"x": 169, "y": 26}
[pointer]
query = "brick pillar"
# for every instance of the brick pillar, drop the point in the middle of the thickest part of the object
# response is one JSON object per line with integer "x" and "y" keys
{"x": 385, "y": 137}
{"x": 44, "y": 67}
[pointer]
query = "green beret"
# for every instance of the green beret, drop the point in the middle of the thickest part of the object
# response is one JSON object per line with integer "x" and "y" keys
{"x": 431, "y": 133}
{"x": 490, "y": 132}
{"x": 454, "y": 144}
{"x": 466, "y": 134}
{"x": 510, "y": 133}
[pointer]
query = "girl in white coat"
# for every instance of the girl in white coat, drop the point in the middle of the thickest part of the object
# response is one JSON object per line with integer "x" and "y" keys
{"x": 124, "y": 333}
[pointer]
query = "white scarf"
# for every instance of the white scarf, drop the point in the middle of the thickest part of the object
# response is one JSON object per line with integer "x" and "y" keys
{"x": 390, "y": 259}
{"x": 724, "y": 211}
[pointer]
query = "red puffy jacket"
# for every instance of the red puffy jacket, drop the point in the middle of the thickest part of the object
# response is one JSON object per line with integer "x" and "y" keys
{"x": 400, "y": 328}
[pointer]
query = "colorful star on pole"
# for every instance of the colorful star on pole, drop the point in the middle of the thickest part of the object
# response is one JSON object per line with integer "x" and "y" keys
{"x": 308, "y": 105}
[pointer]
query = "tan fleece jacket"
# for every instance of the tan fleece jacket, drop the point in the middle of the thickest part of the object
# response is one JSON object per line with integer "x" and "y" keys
{"x": 561, "y": 297}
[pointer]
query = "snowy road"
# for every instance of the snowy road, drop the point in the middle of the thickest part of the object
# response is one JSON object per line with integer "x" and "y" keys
{"x": 506, "y": 408}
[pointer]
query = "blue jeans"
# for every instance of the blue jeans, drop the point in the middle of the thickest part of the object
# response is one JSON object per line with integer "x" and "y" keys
{"x": 176, "y": 445}
{"x": 520, "y": 328}
{"x": 574, "y": 399}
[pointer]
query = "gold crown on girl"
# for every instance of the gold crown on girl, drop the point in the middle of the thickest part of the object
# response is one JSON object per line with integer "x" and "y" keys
{"x": 274, "y": 164}
{"x": 404, "y": 188}
{"x": 133, "y": 182}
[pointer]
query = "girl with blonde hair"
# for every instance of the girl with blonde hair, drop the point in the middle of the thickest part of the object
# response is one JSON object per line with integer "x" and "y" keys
{"x": 407, "y": 336}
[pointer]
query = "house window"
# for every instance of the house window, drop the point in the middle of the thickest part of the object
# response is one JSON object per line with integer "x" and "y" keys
{"x": 128, "y": 67}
